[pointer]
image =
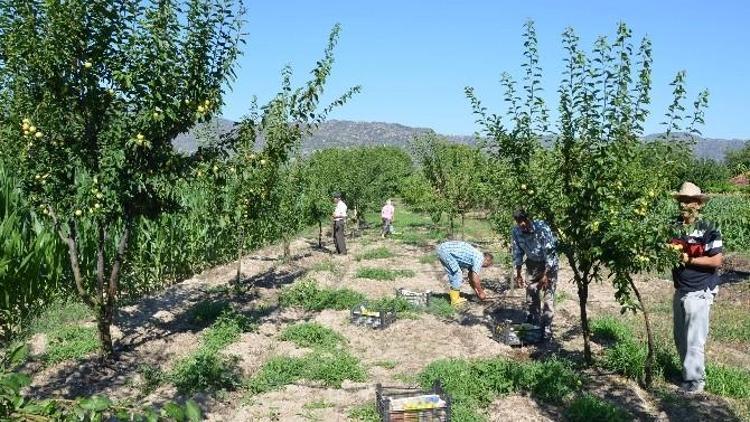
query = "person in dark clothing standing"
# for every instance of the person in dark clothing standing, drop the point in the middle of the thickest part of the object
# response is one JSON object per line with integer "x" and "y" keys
{"x": 696, "y": 283}
{"x": 339, "y": 221}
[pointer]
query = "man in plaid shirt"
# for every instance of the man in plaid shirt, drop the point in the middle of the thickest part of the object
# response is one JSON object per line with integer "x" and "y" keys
{"x": 535, "y": 240}
{"x": 455, "y": 256}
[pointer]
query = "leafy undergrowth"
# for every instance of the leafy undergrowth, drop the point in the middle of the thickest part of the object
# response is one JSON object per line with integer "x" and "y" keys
{"x": 70, "y": 342}
{"x": 376, "y": 253}
{"x": 626, "y": 355}
{"x": 474, "y": 385}
{"x": 330, "y": 368}
{"x": 307, "y": 295}
{"x": 588, "y": 408}
{"x": 206, "y": 369}
{"x": 382, "y": 274}
{"x": 312, "y": 335}
{"x": 364, "y": 413}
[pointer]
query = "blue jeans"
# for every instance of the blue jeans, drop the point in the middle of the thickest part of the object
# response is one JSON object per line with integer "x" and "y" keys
{"x": 451, "y": 267}
{"x": 691, "y": 316}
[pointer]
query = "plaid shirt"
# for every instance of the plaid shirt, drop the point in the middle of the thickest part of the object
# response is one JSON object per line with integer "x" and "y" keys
{"x": 539, "y": 245}
{"x": 457, "y": 255}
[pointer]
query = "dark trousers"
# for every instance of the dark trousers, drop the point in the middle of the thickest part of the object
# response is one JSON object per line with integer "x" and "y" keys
{"x": 339, "y": 237}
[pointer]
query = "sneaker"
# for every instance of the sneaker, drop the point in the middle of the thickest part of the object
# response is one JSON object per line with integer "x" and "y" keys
{"x": 693, "y": 387}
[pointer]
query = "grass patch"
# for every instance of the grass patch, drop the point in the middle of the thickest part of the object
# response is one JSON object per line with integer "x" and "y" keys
{"x": 561, "y": 297}
{"x": 387, "y": 364}
{"x": 152, "y": 377}
{"x": 307, "y": 295}
{"x": 59, "y": 315}
{"x": 473, "y": 385}
{"x": 377, "y": 253}
{"x": 588, "y": 408}
{"x": 313, "y": 335}
{"x": 70, "y": 342}
{"x": 440, "y": 307}
{"x": 320, "y": 404}
{"x": 206, "y": 369}
{"x": 326, "y": 265}
{"x": 414, "y": 239}
{"x": 728, "y": 381}
{"x": 207, "y": 311}
{"x": 610, "y": 329}
{"x": 330, "y": 369}
{"x": 364, "y": 413}
{"x": 383, "y": 274}
{"x": 428, "y": 259}
{"x": 730, "y": 323}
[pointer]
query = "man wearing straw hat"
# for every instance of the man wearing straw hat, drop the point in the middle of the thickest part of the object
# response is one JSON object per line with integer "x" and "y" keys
{"x": 696, "y": 282}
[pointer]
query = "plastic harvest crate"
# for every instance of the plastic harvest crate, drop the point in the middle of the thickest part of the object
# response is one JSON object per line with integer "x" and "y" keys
{"x": 415, "y": 298}
{"x": 375, "y": 319}
{"x": 393, "y": 404}
{"x": 512, "y": 334}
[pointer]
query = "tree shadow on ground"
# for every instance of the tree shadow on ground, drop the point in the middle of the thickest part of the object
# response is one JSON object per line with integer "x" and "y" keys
{"x": 679, "y": 407}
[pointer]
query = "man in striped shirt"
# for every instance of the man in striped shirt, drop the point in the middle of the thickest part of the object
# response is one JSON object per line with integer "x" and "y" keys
{"x": 535, "y": 240}
{"x": 456, "y": 256}
{"x": 696, "y": 282}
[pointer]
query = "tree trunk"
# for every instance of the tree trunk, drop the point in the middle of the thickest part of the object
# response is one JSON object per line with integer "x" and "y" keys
{"x": 240, "y": 243}
{"x": 286, "y": 244}
{"x": 583, "y": 296}
{"x": 463, "y": 231}
{"x": 320, "y": 234}
{"x": 649, "y": 367}
{"x": 103, "y": 324}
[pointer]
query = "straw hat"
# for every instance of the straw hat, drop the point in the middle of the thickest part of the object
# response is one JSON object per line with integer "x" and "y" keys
{"x": 690, "y": 191}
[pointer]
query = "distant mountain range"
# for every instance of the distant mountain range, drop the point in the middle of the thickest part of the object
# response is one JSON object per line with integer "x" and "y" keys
{"x": 345, "y": 133}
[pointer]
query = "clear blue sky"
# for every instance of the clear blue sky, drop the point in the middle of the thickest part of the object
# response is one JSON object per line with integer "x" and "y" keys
{"x": 413, "y": 58}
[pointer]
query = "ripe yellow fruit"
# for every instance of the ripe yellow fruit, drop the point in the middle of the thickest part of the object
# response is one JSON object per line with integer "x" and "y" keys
{"x": 216, "y": 168}
{"x": 139, "y": 136}
{"x": 201, "y": 109}
{"x": 523, "y": 186}
{"x": 97, "y": 205}
{"x": 99, "y": 196}
{"x": 32, "y": 128}
{"x": 88, "y": 65}
{"x": 262, "y": 162}
{"x": 26, "y": 133}
{"x": 78, "y": 213}
{"x": 156, "y": 115}
{"x": 26, "y": 121}
{"x": 531, "y": 191}
{"x": 39, "y": 134}
{"x": 25, "y": 126}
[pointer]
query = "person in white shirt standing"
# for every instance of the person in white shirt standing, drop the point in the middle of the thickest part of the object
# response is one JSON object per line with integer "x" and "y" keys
{"x": 339, "y": 221}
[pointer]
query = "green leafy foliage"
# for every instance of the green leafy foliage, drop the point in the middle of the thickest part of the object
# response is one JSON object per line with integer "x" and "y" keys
{"x": 307, "y": 295}
{"x": 727, "y": 381}
{"x": 588, "y": 408}
{"x": 377, "y": 253}
{"x": 70, "y": 342}
{"x": 206, "y": 369}
{"x": 314, "y": 335}
{"x": 329, "y": 368}
{"x": 473, "y": 385}
{"x": 382, "y": 274}
{"x": 364, "y": 413}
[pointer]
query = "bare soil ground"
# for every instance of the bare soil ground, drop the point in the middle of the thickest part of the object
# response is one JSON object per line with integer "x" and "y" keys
{"x": 158, "y": 331}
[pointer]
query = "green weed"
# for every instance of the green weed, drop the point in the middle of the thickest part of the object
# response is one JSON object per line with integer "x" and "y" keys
{"x": 428, "y": 259}
{"x": 383, "y": 274}
{"x": 730, "y": 323}
{"x": 473, "y": 385}
{"x": 205, "y": 370}
{"x": 440, "y": 307}
{"x": 728, "y": 381}
{"x": 70, "y": 342}
{"x": 387, "y": 364}
{"x": 610, "y": 329}
{"x": 587, "y": 408}
{"x": 364, "y": 413}
{"x": 320, "y": 404}
{"x": 377, "y": 253}
{"x": 331, "y": 369}
{"x": 205, "y": 312}
{"x": 152, "y": 377}
{"x": 327, "y": 265}
{"x": 561, "y": 296}
{"x": 227, "y": 328}
{"x": 307, "y": 295}
{"x": 314, "y": 335}
{"x": 59, "y": 315}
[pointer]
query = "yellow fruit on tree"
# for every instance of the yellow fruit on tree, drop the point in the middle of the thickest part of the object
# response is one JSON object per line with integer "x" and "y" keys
{"x": 139, "y": 136}
{"x": 78, "y": 213}
{"x": 262, "y": 162}
{"x": 201, "y": 109}
{"x": 88, "y": 65}
{"x": 32, "y": 128}
{"x": 25, "y": 126}
{"x": 39, "y": 134}
{"x": 523, "y": 186}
